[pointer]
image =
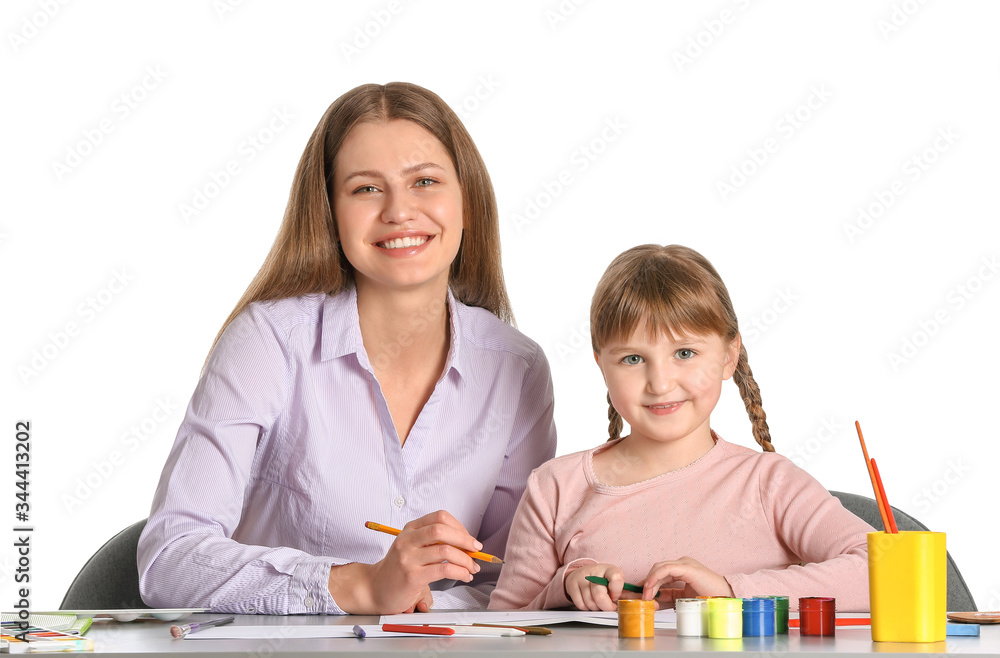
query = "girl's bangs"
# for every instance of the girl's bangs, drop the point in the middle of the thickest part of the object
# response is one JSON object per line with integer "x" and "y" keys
{"x": 675, "y": 312}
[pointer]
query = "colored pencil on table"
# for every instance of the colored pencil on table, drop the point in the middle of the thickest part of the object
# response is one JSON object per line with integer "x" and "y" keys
{"x": 476, "y": 555}
{"x": 184, "y": 630}
{"x": 529, "y": 630}
{"x": 422, "y": 630}
{"x": 871, "y": 474}
{"x": 885, "y": 499}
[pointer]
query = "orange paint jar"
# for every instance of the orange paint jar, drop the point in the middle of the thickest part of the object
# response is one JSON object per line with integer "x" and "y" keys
{"x": 635, "y": 618}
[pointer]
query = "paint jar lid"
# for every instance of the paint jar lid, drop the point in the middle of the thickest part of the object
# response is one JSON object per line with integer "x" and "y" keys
{"x": 689, "y": 605}
{"x": 824, "y": 603}
{"x": 636, "y": 606}
{"x": 725, "y": 604}
{"x": 780, "y": 602}
{"x": 758, "y": 605}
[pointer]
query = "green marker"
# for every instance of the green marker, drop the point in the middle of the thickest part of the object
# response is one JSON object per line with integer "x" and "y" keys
{"x": 629, "y": 587}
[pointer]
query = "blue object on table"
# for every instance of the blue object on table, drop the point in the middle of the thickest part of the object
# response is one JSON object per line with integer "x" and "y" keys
{"x": 758, "y": 617}
{"x": 953, "y": 628}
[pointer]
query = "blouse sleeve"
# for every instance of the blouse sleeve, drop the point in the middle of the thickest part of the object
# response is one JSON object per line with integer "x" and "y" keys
{"x": 830, "y": 541}
{"x": 532, "y": 442}
{"x": 533, "y": 574}
{"x": 186, "y": 556}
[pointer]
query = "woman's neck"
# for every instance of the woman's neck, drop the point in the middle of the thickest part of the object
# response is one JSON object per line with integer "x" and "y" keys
{"x": 404, "y": 331}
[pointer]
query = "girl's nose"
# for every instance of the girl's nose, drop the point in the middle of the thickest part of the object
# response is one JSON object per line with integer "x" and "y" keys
{"x": 660, "y": 380}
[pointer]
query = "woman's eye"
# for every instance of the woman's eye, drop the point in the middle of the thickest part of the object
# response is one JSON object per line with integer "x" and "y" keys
{"x": 425, "y": 182}
{"x": 632, "y": 360}
{"x": 685, "y": 354}
{"x": 366, "y": 189}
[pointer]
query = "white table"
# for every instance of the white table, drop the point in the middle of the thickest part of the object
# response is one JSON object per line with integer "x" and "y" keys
{"x": 150, "y": 639}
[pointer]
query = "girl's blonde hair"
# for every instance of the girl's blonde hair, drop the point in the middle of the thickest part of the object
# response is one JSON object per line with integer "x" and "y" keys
{"x": 670, "y": 289}
{"x": 306, "y": 256}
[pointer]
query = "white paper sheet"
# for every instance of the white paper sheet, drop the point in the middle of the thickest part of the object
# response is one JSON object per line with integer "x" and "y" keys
{"x": 664, "y": 618}
{"x": 232, "y": 632}
{"x": 236, "y": 632}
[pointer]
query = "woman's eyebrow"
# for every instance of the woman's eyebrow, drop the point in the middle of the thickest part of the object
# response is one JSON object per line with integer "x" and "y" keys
{"x": 412, "y": 169}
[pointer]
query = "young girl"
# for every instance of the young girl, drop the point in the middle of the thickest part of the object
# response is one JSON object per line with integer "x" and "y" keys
{"x": 673, "y": 506}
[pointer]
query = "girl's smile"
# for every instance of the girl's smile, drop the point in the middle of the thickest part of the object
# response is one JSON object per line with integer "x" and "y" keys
{"x": 664, "y": 409}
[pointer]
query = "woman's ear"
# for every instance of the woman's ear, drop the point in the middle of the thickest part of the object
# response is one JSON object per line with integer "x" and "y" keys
{"x": 732, "y": 357}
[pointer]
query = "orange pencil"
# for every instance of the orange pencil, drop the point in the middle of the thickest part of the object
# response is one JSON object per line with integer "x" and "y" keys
{"x": 476, "y": 555}
{"x": 871, "y": 474}
{"x": 885, "y": 499}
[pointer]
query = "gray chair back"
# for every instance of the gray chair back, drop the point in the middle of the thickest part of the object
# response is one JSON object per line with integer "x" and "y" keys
{"x": 959, "y": 597}
{"x": 110, "y": 578}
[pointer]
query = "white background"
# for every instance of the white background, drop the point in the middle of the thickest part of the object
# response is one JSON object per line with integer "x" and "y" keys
{"x": 822, "y": 310}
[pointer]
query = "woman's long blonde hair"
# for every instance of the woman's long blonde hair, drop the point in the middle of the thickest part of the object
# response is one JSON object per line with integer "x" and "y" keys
{"x": 306, "y": 256}
{"x": 676, "y": 290}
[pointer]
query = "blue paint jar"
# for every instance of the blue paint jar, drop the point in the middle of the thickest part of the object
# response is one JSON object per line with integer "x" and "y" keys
{"x": 780, "y": 614}
{"x": 758, "y": 617}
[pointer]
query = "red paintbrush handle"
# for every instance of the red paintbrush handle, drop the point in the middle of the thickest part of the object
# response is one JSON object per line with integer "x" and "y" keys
{"x": 885, "y": 500}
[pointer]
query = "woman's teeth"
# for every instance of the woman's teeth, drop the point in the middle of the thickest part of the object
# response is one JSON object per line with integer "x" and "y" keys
{"x": 400, "y": 243}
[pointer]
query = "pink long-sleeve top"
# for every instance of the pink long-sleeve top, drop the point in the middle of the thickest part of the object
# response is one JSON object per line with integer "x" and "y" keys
{"x": 288, "y": 447}
{"x": 756, "y": 518}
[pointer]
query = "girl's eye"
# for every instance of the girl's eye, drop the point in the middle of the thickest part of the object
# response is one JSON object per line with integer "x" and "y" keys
{"x": 685, "y": 354}
{"x": 366, "y": 189}
{"x": 425, "y": 182}
{"x": 632, "y": 360}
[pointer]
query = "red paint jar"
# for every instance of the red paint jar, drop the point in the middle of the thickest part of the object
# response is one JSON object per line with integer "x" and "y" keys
{"x": 817, "y": 615}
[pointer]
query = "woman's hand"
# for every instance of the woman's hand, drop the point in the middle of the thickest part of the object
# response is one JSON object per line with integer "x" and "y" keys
{"x": 428, "y": 549}
{"x": 698, "y": 580}
{"x": 591, "y": 596}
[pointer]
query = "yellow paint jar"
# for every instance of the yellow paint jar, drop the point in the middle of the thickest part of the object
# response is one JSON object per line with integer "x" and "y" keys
{"x": 635, "y": 617}
{"x": 725, "y": 618}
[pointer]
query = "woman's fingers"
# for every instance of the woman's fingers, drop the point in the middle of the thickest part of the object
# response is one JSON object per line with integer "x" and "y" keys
{"x": 431, "y": 548}
{"x": 444, "y": 535}
{"x": 449, "y": 530}
{"x": 426, "y": 600}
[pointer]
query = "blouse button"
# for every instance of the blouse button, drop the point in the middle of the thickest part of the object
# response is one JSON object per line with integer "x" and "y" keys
{"x": 399, "y": 501}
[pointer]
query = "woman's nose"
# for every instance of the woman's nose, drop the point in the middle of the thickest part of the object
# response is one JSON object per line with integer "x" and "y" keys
{"x": 399, "y": 207}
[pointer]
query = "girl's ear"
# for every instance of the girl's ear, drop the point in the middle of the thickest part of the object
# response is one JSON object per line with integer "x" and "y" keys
{"x": 597, "y": 359}
{"x": 732, "y": 357}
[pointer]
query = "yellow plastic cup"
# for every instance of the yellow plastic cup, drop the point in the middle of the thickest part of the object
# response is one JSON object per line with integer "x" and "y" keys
{"x": 908, "y": 586}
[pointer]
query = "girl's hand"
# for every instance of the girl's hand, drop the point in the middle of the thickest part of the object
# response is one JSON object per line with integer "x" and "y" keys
{"x": 591, "y": 596}
{"x": 698, "y": 580}
{"x": 428, "y": 549}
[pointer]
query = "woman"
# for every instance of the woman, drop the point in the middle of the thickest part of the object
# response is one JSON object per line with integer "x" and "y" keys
{"x": 369, "y": 373}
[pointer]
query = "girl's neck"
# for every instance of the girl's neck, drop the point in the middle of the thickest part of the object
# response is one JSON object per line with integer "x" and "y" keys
{"x": 637, "y": 458}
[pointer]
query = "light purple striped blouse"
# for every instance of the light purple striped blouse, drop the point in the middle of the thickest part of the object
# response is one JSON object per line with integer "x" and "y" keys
{"x": 288, "y": 448}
